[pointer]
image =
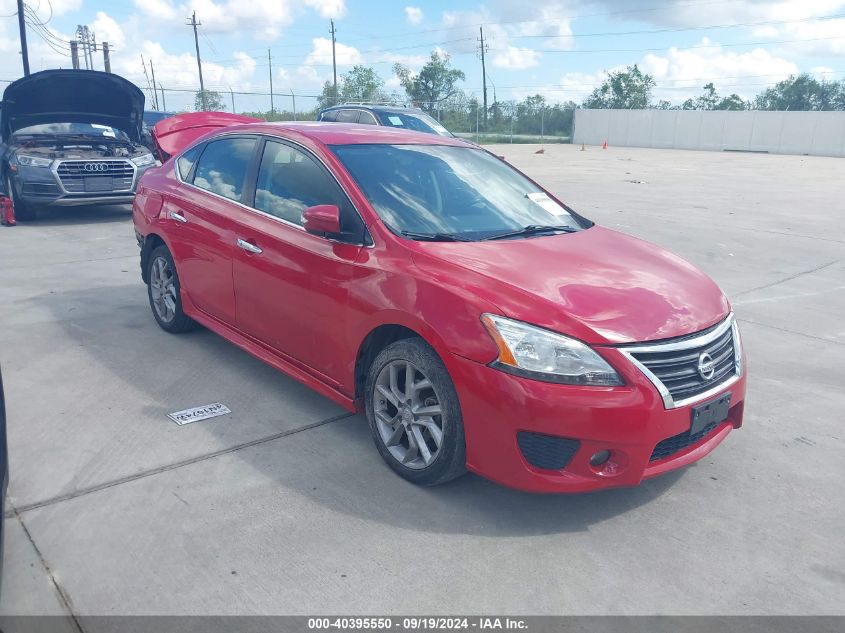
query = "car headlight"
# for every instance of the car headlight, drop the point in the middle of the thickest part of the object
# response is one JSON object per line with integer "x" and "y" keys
{"x": 145, "y": 159}
{"x": 33, "y": 161}
{"x": 532, "y": 352}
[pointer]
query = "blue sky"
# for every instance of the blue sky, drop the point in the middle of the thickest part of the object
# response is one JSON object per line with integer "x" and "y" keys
{"x": 556, "y": 48}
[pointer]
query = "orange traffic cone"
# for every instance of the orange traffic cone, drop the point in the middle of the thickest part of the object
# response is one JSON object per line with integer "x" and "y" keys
{"x": 7, "y": 211}
{"x": 605, "y": 144}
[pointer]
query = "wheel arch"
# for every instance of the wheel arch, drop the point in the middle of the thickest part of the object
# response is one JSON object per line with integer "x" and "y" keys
{"x": 151, "y": 242}
{"x": 373, "y": 343}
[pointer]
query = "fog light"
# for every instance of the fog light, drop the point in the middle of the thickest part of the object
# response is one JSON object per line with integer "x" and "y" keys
{"x": 599, "y": 458}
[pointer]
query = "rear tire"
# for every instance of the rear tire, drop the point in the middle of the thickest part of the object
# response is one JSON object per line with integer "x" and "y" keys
{"x": 163, "y": 290}
{"x": 414, "y": 414}
{"x": 23, "y": 211}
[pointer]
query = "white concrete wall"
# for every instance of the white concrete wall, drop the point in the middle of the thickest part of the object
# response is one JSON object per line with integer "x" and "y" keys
{"x": 815, "y": 133}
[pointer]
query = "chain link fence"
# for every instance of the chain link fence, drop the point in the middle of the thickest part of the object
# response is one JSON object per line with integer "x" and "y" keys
{"x": 523, "y": 122}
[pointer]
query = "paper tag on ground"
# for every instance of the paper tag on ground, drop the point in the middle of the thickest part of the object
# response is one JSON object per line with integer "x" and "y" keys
{"x": 547, "y": 203}
{"x": 199, "y": 413}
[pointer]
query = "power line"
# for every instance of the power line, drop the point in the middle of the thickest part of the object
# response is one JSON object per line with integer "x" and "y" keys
{"x": 680, "y": 48}
{"x": 820, "y": 18}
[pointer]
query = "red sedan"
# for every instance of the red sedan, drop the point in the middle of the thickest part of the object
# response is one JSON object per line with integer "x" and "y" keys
{"x": 479, "y": 322}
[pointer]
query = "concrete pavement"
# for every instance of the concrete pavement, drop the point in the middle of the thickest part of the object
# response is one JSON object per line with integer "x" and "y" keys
{"x": 285, "y": 507}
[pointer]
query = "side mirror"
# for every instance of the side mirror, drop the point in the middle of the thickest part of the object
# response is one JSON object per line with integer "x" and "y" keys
{"x": 322, "y": 219}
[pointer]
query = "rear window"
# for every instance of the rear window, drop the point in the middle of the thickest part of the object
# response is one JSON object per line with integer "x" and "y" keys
{"x": 222, "y": 167}
{"x": 186, "y": 161}
{"x": 329, "y": 116}
{"x": 347, "y": 116}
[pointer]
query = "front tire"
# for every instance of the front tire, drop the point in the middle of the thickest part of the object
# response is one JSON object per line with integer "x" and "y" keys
{"x": 414, "y": 414}
{"x": 163, "y": 290}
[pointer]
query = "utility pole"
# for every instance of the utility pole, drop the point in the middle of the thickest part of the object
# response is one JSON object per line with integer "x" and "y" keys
{"x": 193, "y": 22}
{"x": 483, "y": 74}
{"x": 22, "y": 29}
{"x": 334, "y": 63}
{"x": 163, "y": 102}
{"x": 150, "y": 87}
{"x": 107, "y": 61}
{"x": 272, "y": 107}
{"x": 74, "y": 54}
{"x": 232, "y": 95}
{"x": 155, "y": 94}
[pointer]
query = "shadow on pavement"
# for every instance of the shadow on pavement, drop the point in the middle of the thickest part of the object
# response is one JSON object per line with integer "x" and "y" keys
{"x": 60, "y": 216}
{"x": 335, "y": 465}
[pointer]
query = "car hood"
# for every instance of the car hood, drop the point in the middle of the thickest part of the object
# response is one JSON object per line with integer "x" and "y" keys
{"x": 173, "y": 134}
{"x": 72, "y": 96}
{"x": 596, "y": 285}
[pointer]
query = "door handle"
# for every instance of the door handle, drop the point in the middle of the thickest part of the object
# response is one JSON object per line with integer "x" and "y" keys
{"x": 175, "y": 215}
{"x": 249, "y": 247}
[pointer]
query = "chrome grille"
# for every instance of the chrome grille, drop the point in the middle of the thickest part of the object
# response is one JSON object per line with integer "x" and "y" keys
{"x": 88, "y": 176}
{"x": 673, "y": 365}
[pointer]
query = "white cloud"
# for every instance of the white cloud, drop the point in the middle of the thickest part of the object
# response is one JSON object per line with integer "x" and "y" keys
{"x": 263, "y": 18}
{"x": 321, "y": 53}
{"x": 108, "y": 30}
{"x": 328, "y": 8}
{"x": 414, "y": 15}
{"x": 516, "y": 58}
{"x": 159, "y": 9}
{"x": 681, "y": 73}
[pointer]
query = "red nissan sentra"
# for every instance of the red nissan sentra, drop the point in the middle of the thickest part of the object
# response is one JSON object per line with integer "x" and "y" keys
{"x": 479, "y": 322}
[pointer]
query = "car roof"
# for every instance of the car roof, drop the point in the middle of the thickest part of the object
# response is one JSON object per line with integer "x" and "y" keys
{"x": 347, "y": 133}
{"x": 372, "y": 106}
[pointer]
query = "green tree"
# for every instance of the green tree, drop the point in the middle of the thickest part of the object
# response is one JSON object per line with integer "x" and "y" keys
{"x": 734, "y": 102}
{"x": 213, "y": 101}
{"x": 359, "y": 84}
{"x": 803, "y": 92}
{"x": 434, "y": 83}
{"x": 623, "y": 89}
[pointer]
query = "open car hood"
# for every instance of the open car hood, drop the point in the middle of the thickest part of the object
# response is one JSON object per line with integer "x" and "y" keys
{"x": 173, "y": 134}
{"x": 72, "y": 96}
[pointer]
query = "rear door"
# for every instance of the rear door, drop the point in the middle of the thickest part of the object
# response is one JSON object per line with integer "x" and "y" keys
{"x": 291, "y": 286}
{"x": 202, "y": 215}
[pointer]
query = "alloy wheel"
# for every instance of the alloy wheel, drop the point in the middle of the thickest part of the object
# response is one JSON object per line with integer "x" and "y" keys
{"x": 408, "y": 414}
{"x": 163, "y": 289}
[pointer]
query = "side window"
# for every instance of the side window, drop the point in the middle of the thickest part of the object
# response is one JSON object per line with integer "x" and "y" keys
{"x": 347, "y": 116}
{"x": 367, "y": 118}
{"x": 289, "y": 181}
{"x": 329, "y": 116}
{"x": 187, "y": 160}
{"x": 222, "y": 167}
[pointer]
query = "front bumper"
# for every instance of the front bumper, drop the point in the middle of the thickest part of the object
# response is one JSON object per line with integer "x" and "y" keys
{"x": 629, "y": 421}
{"x": 41, "y": 187}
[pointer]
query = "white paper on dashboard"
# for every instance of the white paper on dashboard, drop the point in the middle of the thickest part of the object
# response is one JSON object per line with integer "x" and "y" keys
{"x": 547, "y": 203}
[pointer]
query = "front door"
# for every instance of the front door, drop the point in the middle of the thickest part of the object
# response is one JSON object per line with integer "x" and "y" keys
{"x": 291, "y": 286}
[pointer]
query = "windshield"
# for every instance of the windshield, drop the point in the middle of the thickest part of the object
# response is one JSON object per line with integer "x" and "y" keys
{"x": 459, "y": 191}
{"x": 415, "y": 121}
{"x": 151, "y": 117}
{"x": 72, "y": 129}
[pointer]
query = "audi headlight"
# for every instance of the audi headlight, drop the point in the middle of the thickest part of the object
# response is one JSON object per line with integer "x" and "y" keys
{"x": 532, "y": 352}
{"x": 33, "y": 161}
{"x": 144, "y": 159}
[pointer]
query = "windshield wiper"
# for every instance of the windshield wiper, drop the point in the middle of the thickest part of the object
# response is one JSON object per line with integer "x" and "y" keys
{"x": 533, "y": 229}
{"x": 433, "y": 237}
